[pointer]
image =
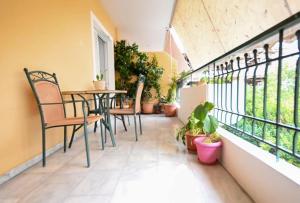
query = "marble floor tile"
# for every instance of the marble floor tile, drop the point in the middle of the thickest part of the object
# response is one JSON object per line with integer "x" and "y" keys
{"x": 156, "y": 169}
{"x": 49, "y": 192}
{"x": 88, "y": 199}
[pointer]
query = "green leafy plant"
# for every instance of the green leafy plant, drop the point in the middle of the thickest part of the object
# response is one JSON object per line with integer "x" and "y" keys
{"x": 171, "y": 95}
{"x": 213, "y": 138}
{"x": 129, "y": 63}
{"x": 199, "y": 122}
{"x": 99, "y": 77}
{"x": 181, "y": 78}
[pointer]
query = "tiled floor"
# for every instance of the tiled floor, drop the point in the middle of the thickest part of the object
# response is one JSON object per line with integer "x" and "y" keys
{"x": 156, "y": 169}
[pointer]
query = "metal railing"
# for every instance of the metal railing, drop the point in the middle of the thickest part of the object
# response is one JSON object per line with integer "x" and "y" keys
{"x": 255, "y": 89}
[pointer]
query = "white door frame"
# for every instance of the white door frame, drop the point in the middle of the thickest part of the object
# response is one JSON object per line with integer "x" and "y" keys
{"x": 97, "y": 29}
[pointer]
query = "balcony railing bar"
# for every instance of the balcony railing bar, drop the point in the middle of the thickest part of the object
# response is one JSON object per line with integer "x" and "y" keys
{"x": 231, "y": 90}
{"x": 289, "y": 127}
{"x": 254, "y": 90}
{"x": 226, "y": 84}
{"x": 296, "y": 96}
{"x": 266, "y": 47}
{"x": 262, "y": 140}
{"x": 279, "y": 77}
{"x": 261, "y": 63}
{"x": 245, "y": 89}
{"x": 237, "y": 96}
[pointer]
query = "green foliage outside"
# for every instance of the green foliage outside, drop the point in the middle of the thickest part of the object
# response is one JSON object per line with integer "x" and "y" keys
{"x": 130, "y": 63}
{"x": 268, "y": 131}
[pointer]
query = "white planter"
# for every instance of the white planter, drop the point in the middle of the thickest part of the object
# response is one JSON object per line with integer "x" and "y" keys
{"x": 99, "y": 84}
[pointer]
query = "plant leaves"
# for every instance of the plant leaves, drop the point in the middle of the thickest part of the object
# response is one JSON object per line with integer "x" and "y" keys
{"x": 209, "y": 106}
{"x": 202, "y": 110}
{"x": 210, "y": 124}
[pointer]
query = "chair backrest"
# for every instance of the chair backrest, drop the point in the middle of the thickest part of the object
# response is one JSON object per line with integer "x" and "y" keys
{"x": 46, "y": 90}
{"x": 138, "y": 95}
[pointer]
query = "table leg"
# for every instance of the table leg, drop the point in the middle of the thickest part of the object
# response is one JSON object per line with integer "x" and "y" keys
{"x": 108, "y": 121}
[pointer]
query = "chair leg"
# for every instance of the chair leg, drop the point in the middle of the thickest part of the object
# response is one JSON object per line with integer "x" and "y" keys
{"x": 135, "y": 130}
{"x": 95, "y": 126}
{"x": 105, "y": 131}
{"x": 65, "y": 138}
{"x": 141, "y": 131}
{"x": 128, "y": 120}
{"x": 72, "y": 137}
{"x": 123, "y": 121}
{"x": 87, "y": 147}
{"x": 44, "y": 146}
{"x": 115, "y": 123}
{"x": 102, "y": 138}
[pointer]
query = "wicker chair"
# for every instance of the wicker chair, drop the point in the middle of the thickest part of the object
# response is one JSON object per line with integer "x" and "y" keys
{"x": 52, "y": 108}
{"x": 136, "y": 110}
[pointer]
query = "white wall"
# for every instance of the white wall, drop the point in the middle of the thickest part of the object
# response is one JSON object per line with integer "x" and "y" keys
{"x": 190, "y": 97}
{"x": 258, "y": 172}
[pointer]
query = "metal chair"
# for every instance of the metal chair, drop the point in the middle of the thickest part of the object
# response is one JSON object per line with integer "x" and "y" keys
{"x": 99, "y": 108}
{"x": 52, "y": 108}
{"x": 136, "y": 110}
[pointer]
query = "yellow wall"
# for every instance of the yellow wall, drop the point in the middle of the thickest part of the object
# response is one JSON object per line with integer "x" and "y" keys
{"x": 170, "y": 67}
{"x": 50, "y": 35}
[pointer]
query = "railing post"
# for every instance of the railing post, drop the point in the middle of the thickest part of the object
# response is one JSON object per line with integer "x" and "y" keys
{"x": 279, "y": 71}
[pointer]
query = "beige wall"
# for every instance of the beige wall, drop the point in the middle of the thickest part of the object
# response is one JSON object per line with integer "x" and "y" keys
{"x": 49, "y": 35}
{"x": 169, "y": 65}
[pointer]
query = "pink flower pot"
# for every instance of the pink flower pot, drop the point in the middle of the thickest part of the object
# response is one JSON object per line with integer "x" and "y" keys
{"x": 208, "y": 153}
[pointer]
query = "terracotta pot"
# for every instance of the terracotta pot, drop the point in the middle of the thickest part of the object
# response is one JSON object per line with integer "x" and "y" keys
{"x": 208, "y": 153}
{"x": 170, "y": 110}
{"x": 189, "y": 139}
{"x": 148, "y": 107}
{"x": 99, "y": 84}
{"x": 163, "y": 108}
{"x": 130, "y": 103}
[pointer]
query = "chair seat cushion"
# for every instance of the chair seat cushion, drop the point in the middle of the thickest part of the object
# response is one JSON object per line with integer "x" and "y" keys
{"x": 74, "y": 121}
{"x": 129, "y": 111}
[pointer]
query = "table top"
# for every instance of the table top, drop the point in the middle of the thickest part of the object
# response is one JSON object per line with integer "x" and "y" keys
{"x": 94, "y": 92}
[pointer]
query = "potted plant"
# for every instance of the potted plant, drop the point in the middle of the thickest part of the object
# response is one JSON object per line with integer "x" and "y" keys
{"x": 99, "y": 84}
{"x": 199, "y": 125}
{"x": 130, "y": 63}
{"x": 209, "y": 148}
{"x": 147, "y": 104}
{"x": 190, "y": 132}
{"x": 170, "y": 105}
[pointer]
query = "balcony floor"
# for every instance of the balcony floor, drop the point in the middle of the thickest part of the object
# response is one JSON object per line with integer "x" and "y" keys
{"x": 154, "y": 169}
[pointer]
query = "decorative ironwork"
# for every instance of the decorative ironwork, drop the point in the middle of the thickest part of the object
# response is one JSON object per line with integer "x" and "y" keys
{"x": 42, "y": 76}
{"x": 255, "y": 83}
